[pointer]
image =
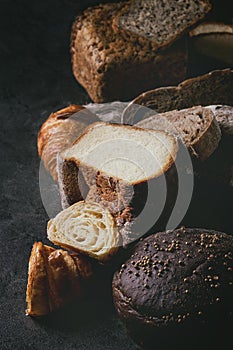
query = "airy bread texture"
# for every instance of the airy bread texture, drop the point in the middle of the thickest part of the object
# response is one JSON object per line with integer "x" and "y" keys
{"x": 161, "y": 21}
{"x": 196, "y": 127}
{"x": 59, "y": 131}
{"x": 55, "y": 278}
{"x": 176, "y": 288}
{"x": 118, "y": 159}
{"x": 111, "y": 67}
{"x": 87, "y": 228}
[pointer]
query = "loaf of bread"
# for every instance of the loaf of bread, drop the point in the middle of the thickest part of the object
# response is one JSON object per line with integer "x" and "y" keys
{"x": 88, "y": 228}
{"x": 195, "y": 126}
{"x": 177, "y": 289}
{"x": 161, "y": 21}
{"x": 116, "y": 159}
{"x": 55, "y": 279}
{"x": 209, "y": 89}
{"x": 59, "y": 131}
{"x": 111, "y": 67}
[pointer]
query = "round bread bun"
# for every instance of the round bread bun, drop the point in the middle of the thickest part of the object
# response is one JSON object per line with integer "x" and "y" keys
{"x": 176, "y": 290}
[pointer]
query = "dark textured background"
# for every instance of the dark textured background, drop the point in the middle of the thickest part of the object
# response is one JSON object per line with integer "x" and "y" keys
{"x": 36, "y": 79}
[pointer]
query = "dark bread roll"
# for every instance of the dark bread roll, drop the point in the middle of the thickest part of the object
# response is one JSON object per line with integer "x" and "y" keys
{"x": 176, "y": 289}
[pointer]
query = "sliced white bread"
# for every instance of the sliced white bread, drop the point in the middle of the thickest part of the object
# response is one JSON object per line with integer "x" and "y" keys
{"x": 87, "y": 228}
{"x": 128, "y": 156}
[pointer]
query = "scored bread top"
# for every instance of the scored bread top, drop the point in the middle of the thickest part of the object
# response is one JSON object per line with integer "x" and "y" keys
{"x": 161, "y": 21}
{"x": 127, "y": 153}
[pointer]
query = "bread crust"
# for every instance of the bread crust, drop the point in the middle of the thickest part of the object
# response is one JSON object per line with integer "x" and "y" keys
{"x": 209, "y": 89}
{"x": 55, "y": 278}
{"x": 74, "y": 176}
{"x": 112, "y": 68}
{"x": 59, "y": 131}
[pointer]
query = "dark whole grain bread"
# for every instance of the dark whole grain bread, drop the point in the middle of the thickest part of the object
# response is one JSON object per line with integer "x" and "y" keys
{"x": 176, "y": 290}
{"x": 112, "y": 68}
{"x": 195, "y": 126}
{"x": 209, "y": 89}
{"x": 161, "y": 21}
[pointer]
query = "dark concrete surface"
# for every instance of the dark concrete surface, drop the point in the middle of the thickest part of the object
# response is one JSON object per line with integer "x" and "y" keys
{"x": 36, "y": 79}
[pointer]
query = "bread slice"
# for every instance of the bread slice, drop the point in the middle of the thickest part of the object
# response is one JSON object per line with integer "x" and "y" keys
{"x": 111, "y": 67}
{"x": 125, "y": 157}
{"x": 196, "y": 127}
{"x": 214, "y": 40}
{"x": 161, "y": 21}
{"x": 209, "y": 89}
{"x": 87, "y": 228}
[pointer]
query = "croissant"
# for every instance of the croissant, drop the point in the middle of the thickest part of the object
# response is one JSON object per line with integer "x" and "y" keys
{"x": 55, "y": 278}
{"x": 59, "y": 131}
{"x": 86, "y": 227}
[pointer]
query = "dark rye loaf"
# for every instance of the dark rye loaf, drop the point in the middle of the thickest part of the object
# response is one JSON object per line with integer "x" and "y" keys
{"x": 112, "y": 68}
{"x": 176, "y": 290}
{"x": 161, "y": 21}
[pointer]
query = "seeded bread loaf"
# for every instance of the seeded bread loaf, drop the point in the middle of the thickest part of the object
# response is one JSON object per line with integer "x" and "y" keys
{"x": 112, "y": 68}
{"x": 209, "y": 89}
{"x": 177, "y": 289}
{"x": 196, "y": 127}
{"x": 161, "y": 21}
{"x": 59, "y": 131}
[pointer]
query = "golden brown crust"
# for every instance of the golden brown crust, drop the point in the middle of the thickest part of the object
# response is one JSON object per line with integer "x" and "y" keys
{"x": 59, "y": 131}
{"x": 55, "y": 120}
{"x": 55, "y": 278}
